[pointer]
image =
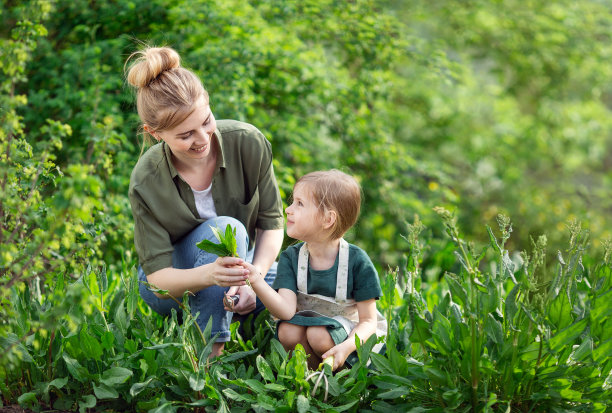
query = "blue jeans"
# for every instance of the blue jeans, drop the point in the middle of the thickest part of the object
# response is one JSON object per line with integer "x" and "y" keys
{"x": 209, "y": 301}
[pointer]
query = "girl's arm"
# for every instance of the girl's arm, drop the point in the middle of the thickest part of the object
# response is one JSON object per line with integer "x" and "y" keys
{"x": 364, "y": 329}
{"x": 268, "y": 243}
{"x": 281, "y": 304}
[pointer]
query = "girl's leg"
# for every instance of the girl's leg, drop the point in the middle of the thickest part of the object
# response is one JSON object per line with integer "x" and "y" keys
{"x": 208, "y": 302}
{"x": 319, "y": 341}
{"x": 290, "y": 335}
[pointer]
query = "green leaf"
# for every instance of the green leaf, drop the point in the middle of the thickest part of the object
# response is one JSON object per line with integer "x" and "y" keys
{"x": 420, "y": 330}
{"x": 302, "y": 404}
{"x": 116, "y": 375}
{"x": 59, "y": 383}
{"x": 230, "y": 240}
{"x": 89, "y": 344}
{"x": 394, "y": 393}
{"x": 264, "y": 369}
{"x": 567, "y": 336}
{"x": 27, "y": 400}
{"x": 75, "y": 369}
{"x": 494, "y": 329}
{"x": 227, "y": 246}
{"x": 511, "y": 308}
{"x": 212, "y": 248}
{"x": 139, "y": 387}
{"x": 603, "y": 352}
{"x": 87, "y": 402}
{"x": 275, "y": 387}
{"x": 233, "y": 395}
{"x": 196, "y": 382}
{"x": 458, "y": 292}
{"x": 105, "y": 392}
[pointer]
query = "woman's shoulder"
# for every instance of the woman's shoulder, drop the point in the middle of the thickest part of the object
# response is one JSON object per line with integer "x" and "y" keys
{"x": 148, "y": 164}
{"x": 232, "y": 125}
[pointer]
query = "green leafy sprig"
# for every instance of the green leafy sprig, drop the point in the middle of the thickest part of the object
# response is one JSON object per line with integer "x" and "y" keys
{"x": 227, "y": 246}
{"x": 227, "y": 243}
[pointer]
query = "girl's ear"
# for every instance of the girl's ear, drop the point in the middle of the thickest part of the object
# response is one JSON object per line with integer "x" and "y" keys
{"x": 329, "y": 219}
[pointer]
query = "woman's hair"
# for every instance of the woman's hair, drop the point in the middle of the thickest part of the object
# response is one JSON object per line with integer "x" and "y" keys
{"x": 336, "y": 191}
{"x": 166, "y": 92}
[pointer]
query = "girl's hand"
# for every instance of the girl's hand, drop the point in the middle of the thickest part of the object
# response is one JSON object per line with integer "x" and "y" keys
{"x": 228, "y": 271}
{"x": 340, "y": 353}
{"x": 254, "y": 274}
{"x": 246, "y": 303}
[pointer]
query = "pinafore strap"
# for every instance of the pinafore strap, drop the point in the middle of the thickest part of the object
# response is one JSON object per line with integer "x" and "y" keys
{"x": 342, "y": 276}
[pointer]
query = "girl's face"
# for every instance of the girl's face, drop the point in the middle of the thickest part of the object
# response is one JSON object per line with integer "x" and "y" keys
{"x": 192, "y": 139}
{"x": 304, "y": 219}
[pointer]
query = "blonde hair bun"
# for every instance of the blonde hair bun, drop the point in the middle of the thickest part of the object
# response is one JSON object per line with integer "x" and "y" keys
{"x": 150, "y": 63}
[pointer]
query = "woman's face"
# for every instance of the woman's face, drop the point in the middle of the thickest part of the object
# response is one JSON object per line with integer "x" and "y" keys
{"x": 192, "y": 139}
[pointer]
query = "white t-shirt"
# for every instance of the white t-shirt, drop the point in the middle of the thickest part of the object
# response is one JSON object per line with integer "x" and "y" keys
{"x": 204, "y": 203}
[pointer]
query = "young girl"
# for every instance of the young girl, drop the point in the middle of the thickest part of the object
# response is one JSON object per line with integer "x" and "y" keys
{"x": 327, "y": 288}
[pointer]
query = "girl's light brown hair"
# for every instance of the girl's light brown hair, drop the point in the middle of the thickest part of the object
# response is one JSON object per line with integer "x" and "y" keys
{"x": 166, "y": 92}
{"x": 336, "y": 191}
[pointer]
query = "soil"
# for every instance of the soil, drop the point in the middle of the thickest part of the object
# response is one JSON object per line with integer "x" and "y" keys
{"x": 14, "y": 409}
{"x": 18, "y": 409}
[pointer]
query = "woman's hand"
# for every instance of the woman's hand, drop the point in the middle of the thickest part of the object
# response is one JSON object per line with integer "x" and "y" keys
{"x": 228, "y": 271}
{"x": 246, "y": 302}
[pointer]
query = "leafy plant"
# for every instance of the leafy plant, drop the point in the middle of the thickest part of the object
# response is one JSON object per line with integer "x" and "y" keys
{"x": 227, "y": 243}
{"x": 503, "y": 335}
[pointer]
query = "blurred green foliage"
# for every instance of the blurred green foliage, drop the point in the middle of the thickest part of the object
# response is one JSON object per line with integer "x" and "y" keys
{"x": 483, "y": 107}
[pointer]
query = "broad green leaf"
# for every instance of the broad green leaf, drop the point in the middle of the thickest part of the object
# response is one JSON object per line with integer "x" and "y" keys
{"x": 87, "y": 402}
{"x": 567, "y": 336}
{"x": 211, "y": 247}
{"x": 511, "y": 308}
{"x": 420, "y": 330}
{"x": 441, "y": 331}
{"x": 603, "y": 352}
{"x": 494, "y": 329}
{"x": 89, "y": 344}
{"x": 196, "y": 382}
{"x": 267, "y": 402}
{"x": 381, "y": 363}
{"x": 27, "y": 399}
{"x": 302, "y": 404}
{"x": 139, "y": 387}
{"x": 59, "y": 383}
{"x": 582, "y": 351}
{"x": 256, "y": 385}
{"x": 116, "y": 375}
{"x": 394, "y": 393}
{"x": 459, "y": 293}
{"x": 233, "y": 395}
{"x": 103, "y": 391}
{"x": 75, "y": 369}
{"x": 275, "y": 387}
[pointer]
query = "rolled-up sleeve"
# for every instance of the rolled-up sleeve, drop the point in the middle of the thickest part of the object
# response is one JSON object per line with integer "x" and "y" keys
{"x": 151, "y": 240}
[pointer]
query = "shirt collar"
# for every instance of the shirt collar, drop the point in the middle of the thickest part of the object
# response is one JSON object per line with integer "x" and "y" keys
{"x": 218, "y": 145}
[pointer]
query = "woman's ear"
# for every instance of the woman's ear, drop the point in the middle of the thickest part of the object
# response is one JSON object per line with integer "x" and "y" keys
{"x": 150, "y": 131}
{"x": 329, "y": 219}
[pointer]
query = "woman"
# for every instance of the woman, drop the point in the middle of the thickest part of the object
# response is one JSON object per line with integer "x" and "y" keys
{"x": 203, "y": 173}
